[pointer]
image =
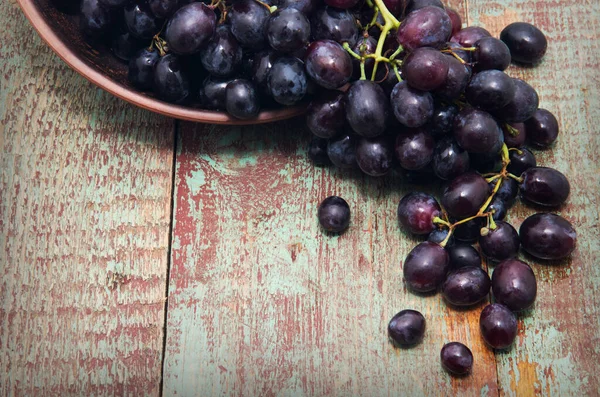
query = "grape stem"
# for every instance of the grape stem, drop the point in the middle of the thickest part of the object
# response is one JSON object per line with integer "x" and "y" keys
{"x": 511, "y": 130}
{"x": 390, "y": 23}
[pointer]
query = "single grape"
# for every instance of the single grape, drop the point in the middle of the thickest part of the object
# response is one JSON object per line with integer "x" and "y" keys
{"x": 520, "y": 161}
{"x": 140, "y": 21}
{"x": 514, "y": 285}
{"x": 342, "y": 151}
{"x": 509, "y": 188}
{"x": 425, "y": 69}
{"x": 491, "y": 53}
{"x": 459, "y": 51}
{"x": 527, "y": 43}
{"x": 466, "y": 286}
{"x": 125, "y": 46}
{"x": 334, "y": 214}
{"x": 412, "y": 107}
{"x": 287, "y": 80}
{"x": 325, "y": 115}
{"x": 241, "y": 99}
{"x": 522, "y": 106}
{"x": 542, "y": 128}
{"x": 468, "y": 36}
{"x": 374, "y": 155}
{"x": 426, "y": 27}
{"x": 500, "y": 243}
{"x": 190, "y": 28}
{"x": 367, "y": 108}
{"x": 248, "y": 21}
{"x": 498, "y": 326}
{"x": 343, "y": 4}
{"x": 366, "y": 46}
{"x": 456, "y": 81}
{"x": 449, "y": 159}
{"x": 396, "y": 7}
{"x": 490, "y": 89}
{"x": 463, "y": 255}
{"x": 94, "y": 19}
{"x": 414, "y": 148}
{"x": 454, "y": 19}
{"x": 498, "y": 208}
{"x": 328, "y": 23}
{"x": 476, "y": 131}
{"x": 456, "y": 358}
{"x": 171, "y": 81}
{"x": 416, "y": 212}
{"x": 548, "y": 236}
{"x": 544, "y": 186}
{"x": 141, "y": 68}
{"x": 163, "y": 8}
{"x": 465, "y": 194}
{"x": 407, "y": 328}
{"x": 262, "y": 62}
{"x": 439, "y": 235}
{"x": 469, "y": 232}
{"x": 514, "y": 141}
{"x": 441, "y": 122}
{"x": 425, "y": 267}
{"x": 317, "y": 152}
{"x": 288, "y": 29}
{"x": 328, "y": 64}
{"x": 212, "y": 93}
{"x": 222, "y": 56}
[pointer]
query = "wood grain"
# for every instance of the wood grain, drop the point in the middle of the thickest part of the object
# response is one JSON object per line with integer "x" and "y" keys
{"x": 85, "y": 184}
{"x": 557, "y": 350}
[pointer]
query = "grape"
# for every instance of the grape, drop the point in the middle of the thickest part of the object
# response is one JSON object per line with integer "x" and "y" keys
{"x": 328, "y": 23}
{"x": 248, "y": 23}
{"x": 374, "y": 155}
{"x": 334, "y": 214}
{"x": 491, "y": 53}
{"x": 508, "y": 190}
{"x": 548, "y": 236}
{"x": 486, "y": 162}
{"x": 490, "y": 89}
{"x": 466, "y": 286}
{"x": 527, "y": 43}
{"x": 325, "y": 115}
{"x": 454, "y": 19}
{"x": 463, "y": 255}
{"x": 523, "y": 105}
{"x": 456, "y": 358}
{"x": 414, "y": 149}
{"x": 171, "y": 82}
{"x": 425, "y": 267}
{"x": 413, "y": 5}
{"x": 458, "y": 50}
{"x": 125, "y": 46}
{"x": 163, "y": 8}
{"x": 468, "y": 36}
{"x": 416, "y": 212}
{"x": 396, "y": 7}
{"x": 476, "y": 131}
{"x": 140, "y": 21}
{"x": 328, "y": 64}
{"x": 190, "y": 28}
{"x": 95, "y": 20}
{"x": 469, "y": 232}
{"x": 427, "y": 27}
{"x": 439, "y": 235}
{"x": 342, "y": 151}
{"x": 261, "y": 67}
{"x": 542, "y": 128}
{"x": 498, "y": 208}
{"x": 343, "y": 4}
{"x": 317, "y": 152}
{"x": 241, "y": 99}
{"x": 407, "y": 328}
{"x": 500, "y": 243}
{"x": 366, "y": 46}
{"x": 456, "y": 80}
{"x": 304, "y": 6}
{"x": 288, "y": 29}
{"x": 465, "y": 195}
{"x": 520, "y": 162}
{"x": 498, "y": 326}
{"x": 442, "y": 121}
{"x": 514, "y": 141}
{"x": 212, "y": 93}
{"x": 544, "y": 186}
{"x": 449, "y": 159}
{"x": 425, "y": 69}
{"x": 514, "y": 285}
{"x": 222, "y": 56}
{"x": 411, "y": 107}
{"x": 141, "y": 68}
{"x": 287, "y": 80}
{"x": 367, "y": 108}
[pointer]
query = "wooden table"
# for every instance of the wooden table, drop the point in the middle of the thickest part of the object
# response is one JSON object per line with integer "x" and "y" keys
{"x": 106, "y": 210}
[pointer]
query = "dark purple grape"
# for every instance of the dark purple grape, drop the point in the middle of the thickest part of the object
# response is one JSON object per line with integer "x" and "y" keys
{"x": 334, "y": 214}
{"x": 491, "y": 53}
{"x": 439, "y": 235}
{"x": 490, "y": 89}
{"x": 171, "y": 81}
{"x": 514, "y": 141}
{"x": 441, "y": 122}
{"x": 416, "y": 212}
{"x": 374, "y": 155}
{"x": 125, "y": 46}
{"x": 427, "y": 27}
{"x": 456, "y": 80}
{"x": 476, "y": 131}
{"x": 140, "y": 21}
{"x": 304, "y": 6}
{"x": 163, "y": 8}
{"x": 396, "y": 7}
{"x": 367, "y": 108}
{"x": 456, "y": 358}
{"x": 342, "y": 151}
{"x": 485, "y": 163}
{"x": 466, "y": 286}
{"x": 261, "y": 67}
{"x": 113, "y": 3}
{"x": 248, "y": 23}
{"x": 548, "y": 236}
{"x": 287, "y": 80}
{"x": 425, "y": 267}
{"x": 542, "y": 128}
{"x": 463, "y": 255}
{"x": 498, "y": 326}
{"x": 407, "y": 328}
{"x": 328, "y": 64}
{"x": 520, "y": 161}
{"x": 412, "y": 108}
{"x": 190, "y": 28}
{"x": 425, "y": 69}
{"x": 366, "y": 46}
{"x": 241, "y": 99}
{"x": 449, "y": 159}
{"x": 500, "y": 243}
{"x": 317, "y": 152}
{"x": 527, "y": 43}
{"x": 455, "y": 19}
{"x": 458, "y": 50}
{"x": 141, "y": 68}
{"x": 95, "y": 20}
{"x": 514, "y": 285}
{"x": 544, "y": 186}
{"x": 325, "y": 115}
{"x": 509, "y": 188}
{"x": 222, "y": 56}
{"x": 468, "y": 36}
{"x": 469, "y": 232}
{"x": 522, "y": 106}
{"x": 465, "y": 194}
{"x": 413, "y": 5}
{"x": 328, "y": 23}
{"x": 414, "y": 148}
{"x": 498, "y": 208}
{"x": 212, "y": 93}
{"x": 343, "y": 4}
{"x": 288, "y": 30}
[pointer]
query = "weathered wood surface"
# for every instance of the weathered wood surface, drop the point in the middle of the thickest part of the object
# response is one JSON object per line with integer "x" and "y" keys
{"x": 85, "y": 188}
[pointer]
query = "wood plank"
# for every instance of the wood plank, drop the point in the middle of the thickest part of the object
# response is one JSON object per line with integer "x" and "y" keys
{"x": 85, "y": 184}
{"x": 557, "y": 349}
